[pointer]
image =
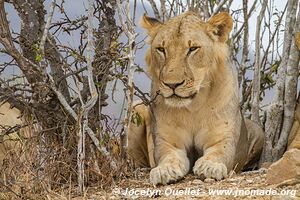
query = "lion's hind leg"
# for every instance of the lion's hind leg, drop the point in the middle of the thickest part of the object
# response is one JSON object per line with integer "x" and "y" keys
{"x": 140, "y": 145}
{"x": 256, "y": 139}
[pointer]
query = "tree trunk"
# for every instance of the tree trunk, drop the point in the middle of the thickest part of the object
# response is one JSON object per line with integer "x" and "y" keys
{"x": 275, "y": 113}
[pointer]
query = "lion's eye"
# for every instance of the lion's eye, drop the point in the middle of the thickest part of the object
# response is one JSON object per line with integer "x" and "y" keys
{"x": 191, "y": 49}
{"x": 161, "y": 49}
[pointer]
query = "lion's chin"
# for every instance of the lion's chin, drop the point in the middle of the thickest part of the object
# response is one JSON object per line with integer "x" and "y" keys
{"x": 178, "y": 102}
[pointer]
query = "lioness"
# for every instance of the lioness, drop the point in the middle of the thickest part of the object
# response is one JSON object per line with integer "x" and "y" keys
{"x": 199, "y": 125}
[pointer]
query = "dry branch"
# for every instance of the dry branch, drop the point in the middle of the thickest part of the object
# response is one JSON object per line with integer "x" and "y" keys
{"x": 129, "y": 31}
{"x": 29, "y": 68}
{"x": 154, "y": 8}
{"x": 46, "y": 29}
{"x": 255, "y": 97}
{"x": 218, "y": 7}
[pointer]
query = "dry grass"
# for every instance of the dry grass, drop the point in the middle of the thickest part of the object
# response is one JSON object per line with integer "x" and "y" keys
{"x": 35, "y": 171}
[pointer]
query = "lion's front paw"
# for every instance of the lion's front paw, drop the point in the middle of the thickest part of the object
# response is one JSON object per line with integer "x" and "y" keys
{"x": 167, "y": 173}
{"x": 209, "y": 169}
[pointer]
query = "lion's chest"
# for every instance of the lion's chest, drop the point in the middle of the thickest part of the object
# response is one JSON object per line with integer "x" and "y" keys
{"x": 193, "y": 130}
{"x": 182, "y": 124}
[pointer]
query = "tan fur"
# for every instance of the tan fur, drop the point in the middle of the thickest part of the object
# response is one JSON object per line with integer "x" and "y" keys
{"x": 201, "y": 128}
{"x": 297, "y": 40}
{"x": 294, "y": 136}
{"x": 11, "y": 142}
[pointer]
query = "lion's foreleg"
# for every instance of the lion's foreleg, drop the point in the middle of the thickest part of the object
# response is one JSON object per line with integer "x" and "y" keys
{"x": 173, "y": 164}
{"x": 217, "y": 160}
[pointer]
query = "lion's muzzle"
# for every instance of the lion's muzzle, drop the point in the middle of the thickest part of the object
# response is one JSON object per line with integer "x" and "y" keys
{"x": 173, "y": 86}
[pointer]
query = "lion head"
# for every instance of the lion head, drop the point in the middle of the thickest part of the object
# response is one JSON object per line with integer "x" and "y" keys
{"x": 186, "y": 54}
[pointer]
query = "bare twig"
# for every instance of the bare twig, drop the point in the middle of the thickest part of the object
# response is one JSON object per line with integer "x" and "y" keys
{"x": 47, "y": 26}
{"x": 154, "y": 8}
{"x": 163, "y": 10}
{"x": 219, "y": 7}
{"x": 245, "y": 53}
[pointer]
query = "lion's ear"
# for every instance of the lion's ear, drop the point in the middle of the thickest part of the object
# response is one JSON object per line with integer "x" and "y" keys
{"x": 150, "y": 24}
{"x": 221, "y": 25}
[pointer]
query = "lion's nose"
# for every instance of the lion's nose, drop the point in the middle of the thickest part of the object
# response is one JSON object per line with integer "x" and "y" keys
{"x": 173, "y": 85}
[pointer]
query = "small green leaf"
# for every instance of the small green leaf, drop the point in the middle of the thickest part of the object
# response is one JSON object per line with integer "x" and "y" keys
{"x": 269, "y": 79}
{"x": 38, "y": 57}
{"x": 275, "y": 66}
{"x": 98, "y": 84}
{"x": 137, "y": 119}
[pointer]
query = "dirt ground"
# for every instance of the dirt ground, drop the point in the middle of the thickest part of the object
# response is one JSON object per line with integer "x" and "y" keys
{"x": 237, "y": 186}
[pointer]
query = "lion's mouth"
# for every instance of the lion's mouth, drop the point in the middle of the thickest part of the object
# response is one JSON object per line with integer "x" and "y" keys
{"x": 176, "y": 96}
